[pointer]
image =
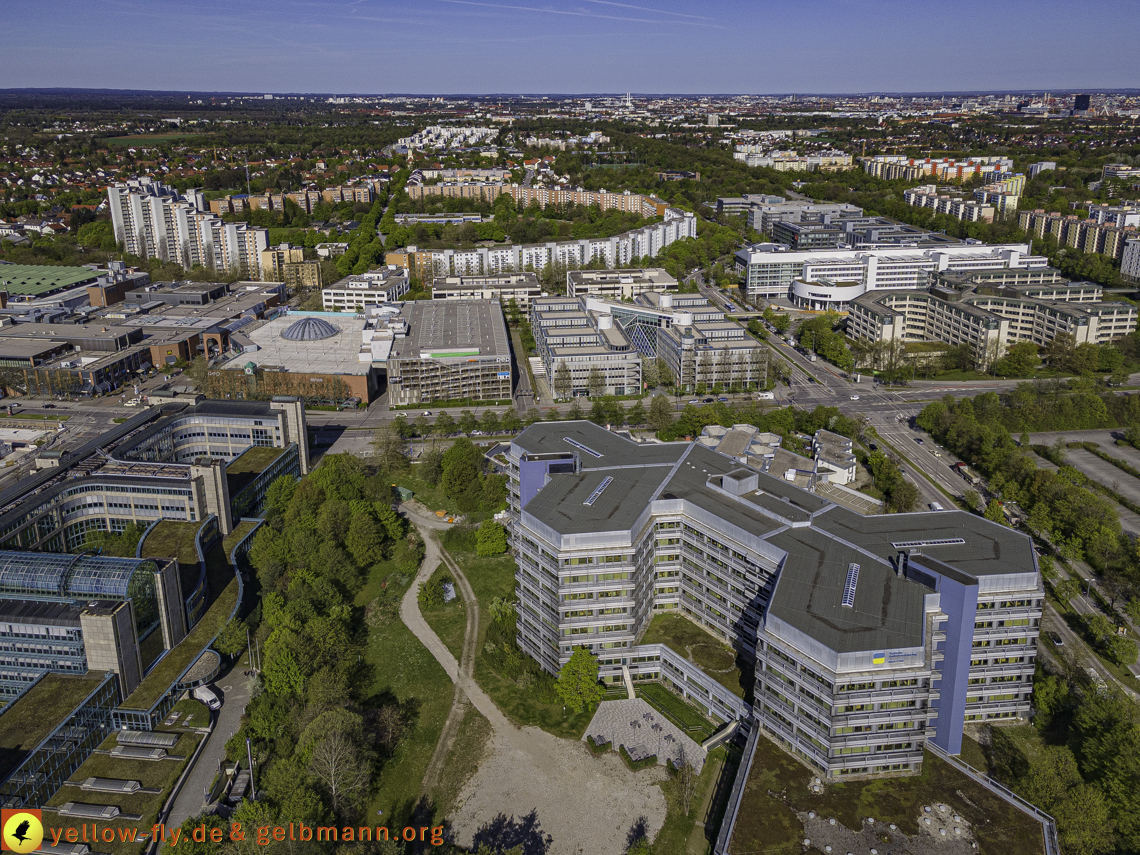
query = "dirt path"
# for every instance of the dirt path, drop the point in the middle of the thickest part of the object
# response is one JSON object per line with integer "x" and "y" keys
{"x": 548, "y": 794}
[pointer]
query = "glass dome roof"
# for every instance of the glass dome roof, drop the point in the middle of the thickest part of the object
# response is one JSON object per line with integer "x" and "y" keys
{"x": 310, "y": 329}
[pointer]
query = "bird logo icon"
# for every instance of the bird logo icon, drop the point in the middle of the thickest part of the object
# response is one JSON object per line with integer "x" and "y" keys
{"x": 23, "y": 831}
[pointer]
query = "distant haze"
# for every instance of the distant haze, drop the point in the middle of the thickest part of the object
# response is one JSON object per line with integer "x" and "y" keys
{"x": 570, "y": 46}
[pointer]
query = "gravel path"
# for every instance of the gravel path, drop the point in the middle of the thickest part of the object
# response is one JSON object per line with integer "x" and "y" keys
{"x": 547, "y": 794}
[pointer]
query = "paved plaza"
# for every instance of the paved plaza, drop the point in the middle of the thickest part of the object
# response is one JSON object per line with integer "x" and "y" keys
{"x": 644, "y": 732}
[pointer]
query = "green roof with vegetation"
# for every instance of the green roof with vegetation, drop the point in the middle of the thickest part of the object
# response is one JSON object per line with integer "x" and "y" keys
{"x": 38, "y": 279}
{"x": 249, "y": 464}
{"x": 27, "y": 722}
{"x": 173, "y": 539}
{"x": 163, "y": 675}
{"x": 237, "y": 535}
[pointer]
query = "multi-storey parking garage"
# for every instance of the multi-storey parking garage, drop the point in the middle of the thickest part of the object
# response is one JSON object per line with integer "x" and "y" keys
{"x": 870, "y": 635}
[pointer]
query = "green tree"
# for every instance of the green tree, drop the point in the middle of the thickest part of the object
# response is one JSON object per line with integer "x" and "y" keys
{"x": 563, "y": 382}
{"x": 444, "y": 424}
{"x": 993, "y": 512}
{"x": 636, "y": 414}
{"x": 232, "y": 639}
{"x": 491, "y": 539}
{"x": 597, "y": 382}
{"x": 401, "y": 427}
{"x": 365, "y": 539}
{"x": 578, "y": 685}
{"x": 532, "y": 415}
{"x": 423, "y": 426}
{"x": 509, "y": 421}
{"x": 467, "y": 422}
{"x": 489, "y": 423}
{"x": 660, "y": 413}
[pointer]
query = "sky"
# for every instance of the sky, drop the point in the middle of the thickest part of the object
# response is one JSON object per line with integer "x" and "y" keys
{"x": 570, "y": 46}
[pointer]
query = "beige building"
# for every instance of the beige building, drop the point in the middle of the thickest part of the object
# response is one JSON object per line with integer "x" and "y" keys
{"x": 504, "y": 287}
{"x": 285, "y": 263}
{"x": 617, "y": 284}
{"x": 989, "y": 315}
{"x": 1087, "y": 235}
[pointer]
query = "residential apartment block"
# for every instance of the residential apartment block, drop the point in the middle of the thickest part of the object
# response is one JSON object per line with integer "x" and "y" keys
{"x": 153, "y": 221}
{"x": 900, "y": 167}
{"x": 285, "y": 263}
{"x": 504, "y": 287}
{"x": 543, "y": 196}
{"x": 831, "y": 278}
{"x": 1088, "y": 235}
{"x": 619, "y": 251}
{"x": 931, "y": 196}
{"x": 991, "y": 310}
{"x": 360, "y": 290}
{"x": 1003, "y": 194}
{"x": 870, "y": 635}
{"x": 1130, "y": 260}
{"x": 790, "y": 161}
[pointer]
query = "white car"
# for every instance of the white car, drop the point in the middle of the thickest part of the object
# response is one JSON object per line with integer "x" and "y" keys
{"x": 203, "y": 694}
{"x": 854, "y": 397}
{"x": 427, "y": 412}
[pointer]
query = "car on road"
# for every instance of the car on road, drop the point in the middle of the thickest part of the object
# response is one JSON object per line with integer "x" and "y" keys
{"x": 854, "y": 397}
{"x": 723, "y": 399}
{"x": 476, "y": 433}
{"x": 427, "y": 412}
{"x": 919, "y": 441}
{"x": 49, "y": 406}
{"x": 1056, "y": 639}
{"x": 203, "y": 694}
{"x": 708, "y": 400}
{"x": 695, "y": 401}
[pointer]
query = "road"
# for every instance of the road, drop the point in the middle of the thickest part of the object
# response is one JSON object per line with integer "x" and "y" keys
{"x": 232, "y": 688}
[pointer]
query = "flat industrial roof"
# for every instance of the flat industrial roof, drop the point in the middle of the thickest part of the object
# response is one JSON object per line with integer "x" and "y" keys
{"x": 438, "y": 326}
{"x": 36, "y": 279}
{"x": 338, "y": 354}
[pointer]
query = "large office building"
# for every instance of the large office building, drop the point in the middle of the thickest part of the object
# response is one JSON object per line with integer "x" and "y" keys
{"x": 831, "y": 278}
{"x": 584, "y": 338}
{"x": 448, "y": 351}
{"x": 75, "y": 613}
{"x": 870, "y": 635}
{"x": 621, "y": 250}
{"x": 153, "y": 221}
{"x": 991, "y": 310}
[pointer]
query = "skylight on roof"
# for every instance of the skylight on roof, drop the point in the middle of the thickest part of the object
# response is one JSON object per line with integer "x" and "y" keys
{"x": 849, "y": 585}
{"x": 915, "y": 544}
{"x": 601, "y": 488}
{"x": 581, "y": 447}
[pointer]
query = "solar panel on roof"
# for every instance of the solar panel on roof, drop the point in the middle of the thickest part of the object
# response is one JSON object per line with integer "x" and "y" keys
{"x": 849, "y": 585}
{"x": 581, "y": 447}
{"x": 914, "y": 544}
{"x": 599, "y": 490}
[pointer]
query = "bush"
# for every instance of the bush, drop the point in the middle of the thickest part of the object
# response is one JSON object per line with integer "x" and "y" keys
{"x": 597, "y": 749}
{"x": 431, "y": 593}
{"x": 460, "y": 538}
{"x": 491, "y": 539}
{"x": 636, "y": 765}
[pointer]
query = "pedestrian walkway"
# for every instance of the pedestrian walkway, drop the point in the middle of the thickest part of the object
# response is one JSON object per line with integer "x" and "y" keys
{"x": 644, "y": 732}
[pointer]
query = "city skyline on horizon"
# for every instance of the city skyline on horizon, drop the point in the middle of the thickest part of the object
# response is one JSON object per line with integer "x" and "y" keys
{"x": 594, "y": 46}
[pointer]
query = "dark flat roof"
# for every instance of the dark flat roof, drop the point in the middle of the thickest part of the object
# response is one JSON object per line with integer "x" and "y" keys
{"x": 561, "y": 503}
{"x": 615, "y": 450}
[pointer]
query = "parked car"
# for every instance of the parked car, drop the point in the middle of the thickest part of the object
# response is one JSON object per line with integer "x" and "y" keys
{"x": 49, "y": 406}
{"x": 203, "y": 694}
{"x": 723, "y": 399}
{"x": 427, "y": 412}
{"x": 1056, "y": 639}
{"x": 854, "y": 397}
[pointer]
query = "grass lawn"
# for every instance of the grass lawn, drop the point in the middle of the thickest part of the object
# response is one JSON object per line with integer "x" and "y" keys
{"x": 154, "y": 774}
{"x": 425, "y": 493}
{"x": 40, "y": 417}
{"x": 27, "y": 722}
{"x": 714, "y": 657}
{"x": 680, "y": 833}
{"x": 404, "y": 671}
{"x": 237, "y": 536}
{"x": 192, "y": 713}
{"x": 777, "y": 789}
{"x": 491, "y": 578}
{"x": 678, "y": 710}
{"x": 449, "y": 621}
{"x": 462, "y": 761}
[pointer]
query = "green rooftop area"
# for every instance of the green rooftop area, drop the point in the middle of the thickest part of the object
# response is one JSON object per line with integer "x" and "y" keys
{"x": 777, "y": 789}
{"x": 27, "y": 722}
{"x": 174, "y": 539}
{"x": 702, "y": 648}
{"x": 163, "y": 675}
{"x": 160, "y": 775}
{"x": 248, "y": 465}
{"x": 237, "y": 535}
{"x": 36, "y": 279}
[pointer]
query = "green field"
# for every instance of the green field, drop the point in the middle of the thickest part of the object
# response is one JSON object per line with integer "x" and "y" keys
{"x": 27, "y": 722}
{"x": 712, "y": 655}
{"x": 142, "y": 139}
{"x": 448, "y": 621}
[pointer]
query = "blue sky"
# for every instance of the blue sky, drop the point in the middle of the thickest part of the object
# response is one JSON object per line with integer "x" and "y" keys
{"x": 570, "y": 46}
